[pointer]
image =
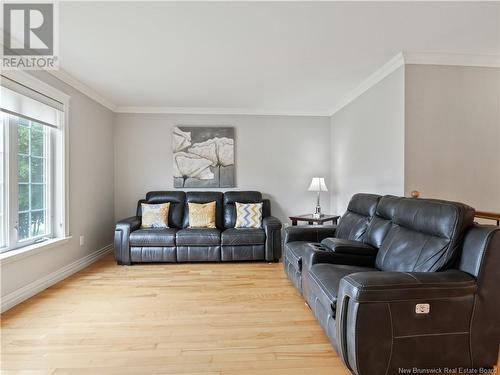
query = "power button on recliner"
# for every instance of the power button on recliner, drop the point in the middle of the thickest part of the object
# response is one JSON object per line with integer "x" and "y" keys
{"x": 423, "y": 308}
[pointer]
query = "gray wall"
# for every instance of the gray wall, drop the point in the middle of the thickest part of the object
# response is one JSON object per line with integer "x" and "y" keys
{"x": 91, "y": 191}
{"x": 367, "y": 143}
{"x": 452, "y": 147}
{"x": 277, "y": 155}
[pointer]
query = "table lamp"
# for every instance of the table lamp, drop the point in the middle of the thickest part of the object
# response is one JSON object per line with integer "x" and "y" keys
{"x": 318, "y": 184}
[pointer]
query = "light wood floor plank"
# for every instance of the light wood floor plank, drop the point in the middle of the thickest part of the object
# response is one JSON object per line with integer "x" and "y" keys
{"x": 210, "y": 319}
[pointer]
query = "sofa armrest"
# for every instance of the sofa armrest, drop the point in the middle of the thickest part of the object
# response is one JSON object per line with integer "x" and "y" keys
{"x": 309, "y": 233}
{"x": 319, "y": 253}
{"x": 123, "y": 229}
{"x": 393, "y": 286}
{"x": 381, "y": 313}
{"x": 271, "y": 223}
{"x": 272, "y": 226}
{"x": 341, "y": 246}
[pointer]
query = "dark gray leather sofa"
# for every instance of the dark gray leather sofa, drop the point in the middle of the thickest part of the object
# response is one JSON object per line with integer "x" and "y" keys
{"x": 183, "y": 244}
{"x": 370, "y": 281}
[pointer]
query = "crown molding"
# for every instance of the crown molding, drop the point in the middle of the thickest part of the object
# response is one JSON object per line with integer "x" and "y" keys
{"x": 389, "y": 67}
{"x": 417, "y": 58}
{"x": 65, "y": 77}
{"x": 452, "y": 59}
{"x": 218, "y": 111}
{"x": 83, "y": 88}
{"x": 401, "y": 59}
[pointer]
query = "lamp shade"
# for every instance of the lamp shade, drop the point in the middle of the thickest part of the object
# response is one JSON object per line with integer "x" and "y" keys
{"x": 318, "y": 184}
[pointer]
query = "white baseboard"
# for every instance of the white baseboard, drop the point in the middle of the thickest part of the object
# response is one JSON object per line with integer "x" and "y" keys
{"x": 35, "y": 287}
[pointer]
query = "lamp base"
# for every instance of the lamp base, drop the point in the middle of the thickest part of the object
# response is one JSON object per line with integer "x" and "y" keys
{"x": 317, "y": 214}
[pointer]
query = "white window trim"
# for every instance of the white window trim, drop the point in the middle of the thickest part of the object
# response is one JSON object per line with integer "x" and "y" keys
{"x": 12, "y": 196}
{"x": 26, "y": 251}
{"x": 35, "y": 84}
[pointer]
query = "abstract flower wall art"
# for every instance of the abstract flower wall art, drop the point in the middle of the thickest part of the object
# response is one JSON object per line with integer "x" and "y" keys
{"x": 180, "y": 140}
{"x": 203, "y": 157}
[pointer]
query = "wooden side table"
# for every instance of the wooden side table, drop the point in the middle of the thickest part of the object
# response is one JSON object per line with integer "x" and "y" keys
{"x": 311, "y": 220}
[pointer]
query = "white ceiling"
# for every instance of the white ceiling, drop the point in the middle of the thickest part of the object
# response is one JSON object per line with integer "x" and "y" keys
{"x": 261, "y": 56}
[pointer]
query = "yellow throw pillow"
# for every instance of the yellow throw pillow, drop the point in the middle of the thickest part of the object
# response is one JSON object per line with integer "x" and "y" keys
{"x": 155, "y": 215}
{"x": 201, "y": 215}
{"x": 248, "y": 215}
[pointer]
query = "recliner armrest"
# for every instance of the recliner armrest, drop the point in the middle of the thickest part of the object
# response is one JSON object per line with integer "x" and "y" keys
{"x": 319, "y": 253}
{"x": 123, "y": 229}
{"x": 133, "y": 223}
{"x": 341, "y": 246}
{"x": 309, "y": 233}
{"x": 271, "y": 223}
{"x": 392, "y": 286}
{"x": 380, "y": 313}
{"x": 272, "y": 226}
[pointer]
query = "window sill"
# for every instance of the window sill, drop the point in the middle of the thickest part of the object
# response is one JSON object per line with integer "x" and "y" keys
{"x": 14, "y": 255}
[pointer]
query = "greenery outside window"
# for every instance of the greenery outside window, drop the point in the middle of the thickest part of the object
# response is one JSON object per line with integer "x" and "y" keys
{"x": 33, "y": 193}
{"x": 30, "y": 213}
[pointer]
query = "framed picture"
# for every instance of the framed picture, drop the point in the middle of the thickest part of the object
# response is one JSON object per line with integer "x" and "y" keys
{"x": 203, "y": 157}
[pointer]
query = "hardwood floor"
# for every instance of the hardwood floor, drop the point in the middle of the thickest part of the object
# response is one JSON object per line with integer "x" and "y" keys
{"x": 222, "y": 318}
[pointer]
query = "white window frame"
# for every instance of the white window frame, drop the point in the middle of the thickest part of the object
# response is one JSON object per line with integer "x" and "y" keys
{"x": 11, "y": 190}
{"x": 59, "y": 166}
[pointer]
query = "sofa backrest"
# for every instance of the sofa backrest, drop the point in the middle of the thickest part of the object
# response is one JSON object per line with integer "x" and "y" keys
{"x": 204, "y": 197}
{"x": 266, "y": 208}
{"x": 230, "y": 199}
{"x": 354, "y": 223}
{"x": 225, "y": 205}
{"x": 381, "y": 222}
{"x": 425, "y": 236}
{"x": 176, "y": 200}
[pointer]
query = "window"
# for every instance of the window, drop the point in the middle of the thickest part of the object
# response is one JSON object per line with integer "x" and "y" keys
{"x": 32, "y": 192}
{"x": 32, "y": 162}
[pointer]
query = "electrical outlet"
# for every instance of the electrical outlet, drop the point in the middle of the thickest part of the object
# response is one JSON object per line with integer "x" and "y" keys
{"x": 82, "y": 240}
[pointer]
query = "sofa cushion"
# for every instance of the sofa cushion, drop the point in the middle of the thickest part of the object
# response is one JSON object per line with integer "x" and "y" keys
{"x": 198, "y": 237}
{"x": 243, "y": 253}
{"x": 204, "y": 197}
{"x": 381, "y": 222}
{"x": 354, "y": 222}
{"x": 160, "y": 237}
{"x": 230, "y": 199}
{"x": 426, "y": 235}
{"x": 198, "y": 253}
{"x": 153, "y": 254}
{"x": 176, "y": 209}
{"x": 243, "y": 236}
{"x": 341, "y": 246}
{"x": 324, "y": 280}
